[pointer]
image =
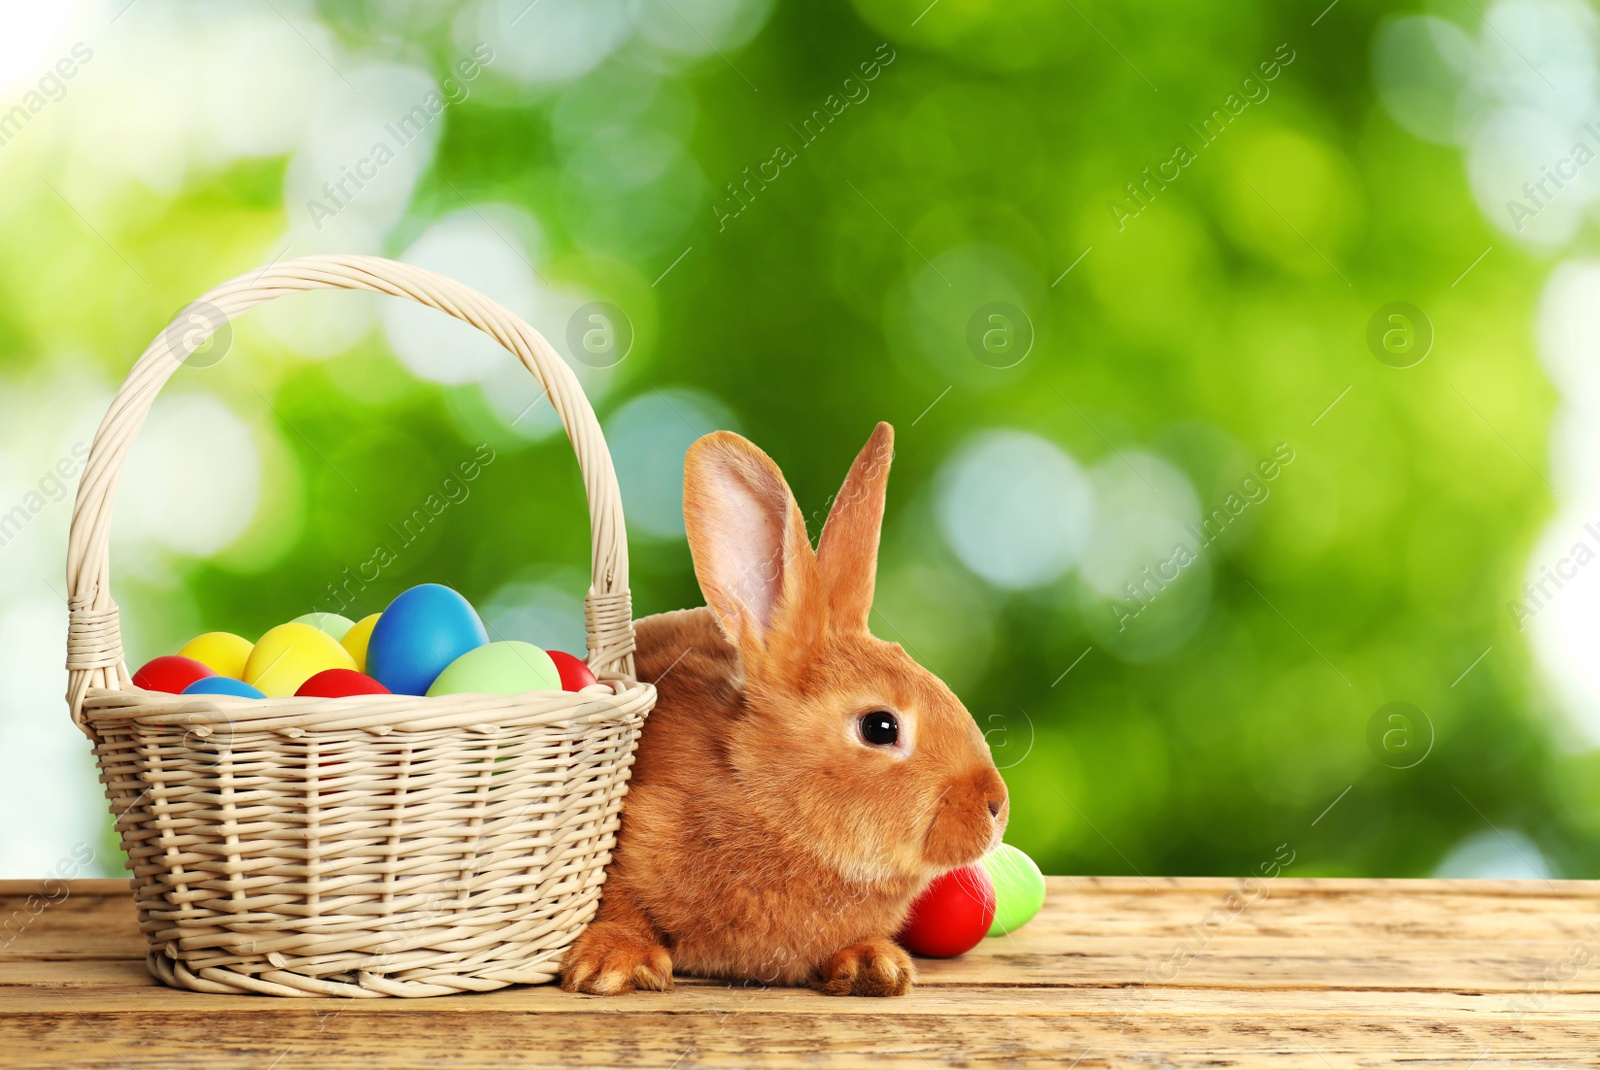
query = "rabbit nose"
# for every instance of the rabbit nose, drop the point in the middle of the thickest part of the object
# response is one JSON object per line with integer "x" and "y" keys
{"x": 993, "y": 790}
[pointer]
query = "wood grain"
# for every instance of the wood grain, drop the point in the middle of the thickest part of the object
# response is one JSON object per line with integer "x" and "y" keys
{"x": 1114, "y": 973}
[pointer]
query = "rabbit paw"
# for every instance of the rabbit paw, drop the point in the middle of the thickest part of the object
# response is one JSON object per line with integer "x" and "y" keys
{"x": 609, "y": 962}
{"x": 876, "y": 967}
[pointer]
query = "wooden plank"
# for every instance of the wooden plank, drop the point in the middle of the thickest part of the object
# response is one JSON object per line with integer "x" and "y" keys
{"x": 284, "y": 1040}
{"x": 1256, "y": 963}
{"x": 1089, "y": 909}
{"x": 1266, "y": 967}
{"x": 119, "y": 989}
{"x": 1309, "y": 973}
{"x": 1343, "y": 937}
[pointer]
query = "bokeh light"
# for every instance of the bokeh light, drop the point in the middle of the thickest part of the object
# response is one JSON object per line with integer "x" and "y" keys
{"x": 649, "y": 437}
{"x": 491, "y": 257}
{"x": 1015, "y": 509}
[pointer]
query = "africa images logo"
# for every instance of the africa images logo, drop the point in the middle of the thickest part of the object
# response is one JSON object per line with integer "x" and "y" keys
{"x": 405, "y": 129}
{"x": 852, "y": 90}
{"x": 1142, "y": 192}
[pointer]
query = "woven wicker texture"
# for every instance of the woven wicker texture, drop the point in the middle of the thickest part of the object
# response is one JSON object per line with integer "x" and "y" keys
{"x": 373, "y": 845}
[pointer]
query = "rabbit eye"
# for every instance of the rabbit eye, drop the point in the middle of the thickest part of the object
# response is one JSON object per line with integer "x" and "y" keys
{"x": 880, "y": 728}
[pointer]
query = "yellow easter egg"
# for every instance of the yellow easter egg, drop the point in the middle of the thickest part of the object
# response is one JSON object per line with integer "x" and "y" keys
{"x": 222, "y": 652}
{"x": 289, "y": 655}
{"x": 355, "y": 640}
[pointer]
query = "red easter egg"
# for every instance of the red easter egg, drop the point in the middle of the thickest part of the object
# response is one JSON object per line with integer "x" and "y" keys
{"x": 337, "y": 683}
{"x": 951, "y": 915}
{"x": 575, "y": 675}
{"x": 170, "y": 672}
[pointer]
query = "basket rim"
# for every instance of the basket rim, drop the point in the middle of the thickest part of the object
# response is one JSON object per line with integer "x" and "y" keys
{"x": 480, "y": 714}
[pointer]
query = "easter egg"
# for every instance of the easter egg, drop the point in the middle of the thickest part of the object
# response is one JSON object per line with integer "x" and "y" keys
{"x": 337, "y": 683}
{"x": 223, "y": 685}
{"x": 506, "y": 668}
{"x": 170, "y": 672}
{"x": 222, "y": 652}
{"x": 423, "y": 631}
{"x": 1018, "y": 888}
{"x": 951, "y": 915}
{"x": 289, "y": 655}
{"x": 575, "y": 675}
{"x": 332, "y": 623}
{"x": 355, "y": 640}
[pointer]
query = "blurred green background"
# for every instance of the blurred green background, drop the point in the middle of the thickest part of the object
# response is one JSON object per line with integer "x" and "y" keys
{"x": 1178, "y": 509}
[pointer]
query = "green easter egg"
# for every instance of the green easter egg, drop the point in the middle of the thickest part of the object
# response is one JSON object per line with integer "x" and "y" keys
{"x": 331, "y": 623}
{"x": 1018, "y": 888}
{"x": 504, "y": 668}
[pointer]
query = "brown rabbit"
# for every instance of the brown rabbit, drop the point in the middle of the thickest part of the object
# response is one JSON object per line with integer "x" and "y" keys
{"x": 800, "y": 781}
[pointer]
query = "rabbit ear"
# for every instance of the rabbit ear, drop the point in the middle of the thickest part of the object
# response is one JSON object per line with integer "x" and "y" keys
{"x": 746, "y": 535}
{"x": 847, "y": 553}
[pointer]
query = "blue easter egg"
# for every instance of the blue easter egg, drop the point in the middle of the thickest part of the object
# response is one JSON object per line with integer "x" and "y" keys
{"x": 222, "y": 685}
{"x": 422, "y": 632}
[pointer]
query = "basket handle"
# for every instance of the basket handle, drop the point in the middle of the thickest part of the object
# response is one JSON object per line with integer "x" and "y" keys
{"x": 94, "y": 642}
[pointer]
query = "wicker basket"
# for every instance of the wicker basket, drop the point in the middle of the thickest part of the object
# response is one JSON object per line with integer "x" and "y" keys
{"x": 381, "y": 845}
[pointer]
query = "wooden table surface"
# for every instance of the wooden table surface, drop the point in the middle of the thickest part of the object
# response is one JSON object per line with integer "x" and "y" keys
{"x": 1114, "y": 972}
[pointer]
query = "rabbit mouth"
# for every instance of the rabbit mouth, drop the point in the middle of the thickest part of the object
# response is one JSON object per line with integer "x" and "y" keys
{"x": 954, "y": 837}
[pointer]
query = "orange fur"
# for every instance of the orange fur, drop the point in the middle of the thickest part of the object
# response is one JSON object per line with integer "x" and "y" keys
{"x": 762, "y": 840}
